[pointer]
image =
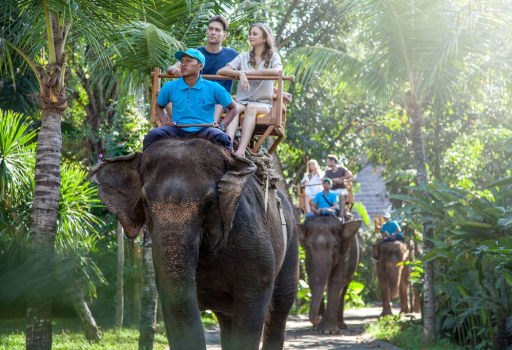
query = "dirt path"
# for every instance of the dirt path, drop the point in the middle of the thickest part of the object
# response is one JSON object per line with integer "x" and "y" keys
{"x": 300, "y": 335}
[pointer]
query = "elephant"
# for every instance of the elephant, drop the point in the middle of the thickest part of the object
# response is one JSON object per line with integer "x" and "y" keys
{"x": 332, "y": 256}
{"x": 215, "y": 245}
{"x": 393, "y": 276}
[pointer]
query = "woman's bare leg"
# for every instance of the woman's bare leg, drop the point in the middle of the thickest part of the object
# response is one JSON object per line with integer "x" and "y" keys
{"x": 307, "y": 199}
{"x": 251, "y": 111}
{"x": 233, "y": 126}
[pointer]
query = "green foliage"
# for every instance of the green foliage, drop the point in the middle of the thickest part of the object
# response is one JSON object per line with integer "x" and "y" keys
{"x": 76, "y": 226}
{"x": 126, "y": 133}
{"x": 67, "y": 334}
{"x": 407, "y": 335}
{"x": 473, "y": 252}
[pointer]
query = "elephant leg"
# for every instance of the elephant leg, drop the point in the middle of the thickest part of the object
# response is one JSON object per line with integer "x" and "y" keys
{"x": 341, "y": 308}
{"x": 404, "y": 290}
{"x": 329, "y": 322}
{"x": 226, "y": 329}
{"x": 285, "y": 290}
{"x": 384, "y": 290}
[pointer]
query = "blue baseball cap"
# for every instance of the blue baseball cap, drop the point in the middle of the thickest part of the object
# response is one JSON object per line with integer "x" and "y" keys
{"x": 192, "y": 53}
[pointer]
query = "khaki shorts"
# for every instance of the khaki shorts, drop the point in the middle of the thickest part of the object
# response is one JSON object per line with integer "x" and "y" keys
{"x": 342, "y": 191}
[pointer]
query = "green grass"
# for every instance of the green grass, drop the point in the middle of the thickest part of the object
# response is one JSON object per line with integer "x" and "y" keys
{"x": 67, "y": 334}
{"x": 406, "y": 334}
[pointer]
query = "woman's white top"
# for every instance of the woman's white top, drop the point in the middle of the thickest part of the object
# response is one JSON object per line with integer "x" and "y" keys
{"x": 312, "y": 191}
{"x": 260, "y": 90}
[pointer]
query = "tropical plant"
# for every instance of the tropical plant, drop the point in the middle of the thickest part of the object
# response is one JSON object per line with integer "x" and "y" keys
{"x": 76, "y": 227}
{"x": 28, "y": 27}
{"x": 422, "y": 53}
{"x": 473, "y": 255}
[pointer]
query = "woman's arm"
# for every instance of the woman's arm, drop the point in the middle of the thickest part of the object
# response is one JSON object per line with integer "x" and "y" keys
{"x": 268, "y": 71}
{"x": 229, "y": 71}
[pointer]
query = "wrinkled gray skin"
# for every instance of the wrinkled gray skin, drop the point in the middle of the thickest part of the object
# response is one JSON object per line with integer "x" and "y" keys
{"x": 214, "y": 247}
{"x": 331, "y": 260}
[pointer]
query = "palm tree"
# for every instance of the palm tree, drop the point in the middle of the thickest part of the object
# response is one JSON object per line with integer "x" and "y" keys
{"x": 423, "y": 54}
{"x": 38, "y": 31}
{"x": 76, "y": 228}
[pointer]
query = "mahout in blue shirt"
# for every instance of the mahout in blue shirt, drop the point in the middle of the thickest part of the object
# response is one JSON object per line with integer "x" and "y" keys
{"x": 322, "y": 203}
{"x": 390, "y": 227}
{"x": 193, "y": 105}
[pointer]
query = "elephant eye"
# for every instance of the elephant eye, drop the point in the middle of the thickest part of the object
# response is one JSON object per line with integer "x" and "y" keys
{"x": 208, "y": 208}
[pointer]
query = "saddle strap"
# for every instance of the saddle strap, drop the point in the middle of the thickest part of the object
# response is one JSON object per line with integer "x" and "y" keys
{"x": 283, "y": 227}
{"x": 266, "y": 195}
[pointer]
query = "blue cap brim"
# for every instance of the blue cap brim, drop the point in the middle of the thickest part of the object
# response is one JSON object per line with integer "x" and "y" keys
{"x": 179, "y": 54}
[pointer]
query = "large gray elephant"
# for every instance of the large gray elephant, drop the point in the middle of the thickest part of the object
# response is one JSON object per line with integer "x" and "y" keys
{"x": 332, "y": 256}
{"x": 215, "y": 246}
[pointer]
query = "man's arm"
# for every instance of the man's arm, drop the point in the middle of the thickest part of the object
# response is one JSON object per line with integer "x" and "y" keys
{"x": 339, "y": 180}
{"x": 314, "y": 209}
{"x": 232, "y": 111}
{"x": 162, "y": 115}
{"x": 175, "y": 69}
{"x": 398, "y": 230}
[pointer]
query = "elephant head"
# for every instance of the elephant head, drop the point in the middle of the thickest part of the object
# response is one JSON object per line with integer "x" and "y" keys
{"x": 187, "y": 193}
{"x": 326, "y": 242}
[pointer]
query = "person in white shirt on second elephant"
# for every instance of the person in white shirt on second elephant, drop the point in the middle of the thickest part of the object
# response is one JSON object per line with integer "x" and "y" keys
{"x": 314, "y": 176}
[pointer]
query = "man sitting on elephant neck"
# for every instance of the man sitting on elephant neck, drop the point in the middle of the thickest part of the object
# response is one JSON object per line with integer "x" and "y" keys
{"x": 325, "y": 202}
{"x": 391, "y": 230}
{"x": 193, "y": 100}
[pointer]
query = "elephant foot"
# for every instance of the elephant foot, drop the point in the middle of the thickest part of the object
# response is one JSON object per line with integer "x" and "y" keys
{"x": 326, "y": 328}
{"x": 404, "y": 311}
{"x": 342, "y": 325}
{"x": 386, "y": 313}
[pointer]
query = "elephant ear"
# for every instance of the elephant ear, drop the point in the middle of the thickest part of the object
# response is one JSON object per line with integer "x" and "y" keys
{"x": 348, "y": 232}
{"x": 230, "y": 188}
{"x": 120, "y": 189}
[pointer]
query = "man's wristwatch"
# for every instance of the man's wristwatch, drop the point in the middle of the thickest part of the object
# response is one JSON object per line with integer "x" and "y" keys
{"x": 222, "y": 128}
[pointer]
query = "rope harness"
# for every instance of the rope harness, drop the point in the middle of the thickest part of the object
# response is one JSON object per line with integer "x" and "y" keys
{"x": 268, "y": 178}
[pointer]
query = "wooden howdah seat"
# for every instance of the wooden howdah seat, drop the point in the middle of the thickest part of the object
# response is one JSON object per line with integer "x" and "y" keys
{"x": 301, "y": 193}
{"x": 270, "y": 124}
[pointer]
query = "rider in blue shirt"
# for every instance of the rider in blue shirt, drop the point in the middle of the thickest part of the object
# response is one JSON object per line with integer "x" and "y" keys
{"x": 391, "y": 230}
{"x": 194, "y": 101}
{"x": 325, "y": 202}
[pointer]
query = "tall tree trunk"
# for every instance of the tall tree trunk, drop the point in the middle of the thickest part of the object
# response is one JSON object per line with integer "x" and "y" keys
{"x": 87, "y": 321}
{"x": 282, "y": 185}
{"x": 429, "y": 312}
{"x": 149, "y": 298}
{"x": 133, "y": 283}
{"x": 44, "y": 224}
{"x": 118, "y": 323}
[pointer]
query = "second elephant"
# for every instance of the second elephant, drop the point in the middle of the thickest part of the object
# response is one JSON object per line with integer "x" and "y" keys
{"x": 332, "y": 256}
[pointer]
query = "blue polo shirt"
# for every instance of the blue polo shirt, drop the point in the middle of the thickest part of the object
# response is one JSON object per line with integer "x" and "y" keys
{"x": 193, "y": 105}
{"x": 320, "y": 201}
{"x": 390, "y": 227}
{"x": 216, "y": 61}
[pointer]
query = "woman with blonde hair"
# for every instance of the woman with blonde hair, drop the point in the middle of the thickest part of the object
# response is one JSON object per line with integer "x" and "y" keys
{"x": 314, "y": 177}
{"x": 253, "y": 96}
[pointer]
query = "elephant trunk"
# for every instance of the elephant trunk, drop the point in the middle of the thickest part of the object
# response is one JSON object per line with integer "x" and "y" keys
{"x": 394, "y": 273}
{"x": 318, "y": 284}
{"x": 175, "y": 254}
